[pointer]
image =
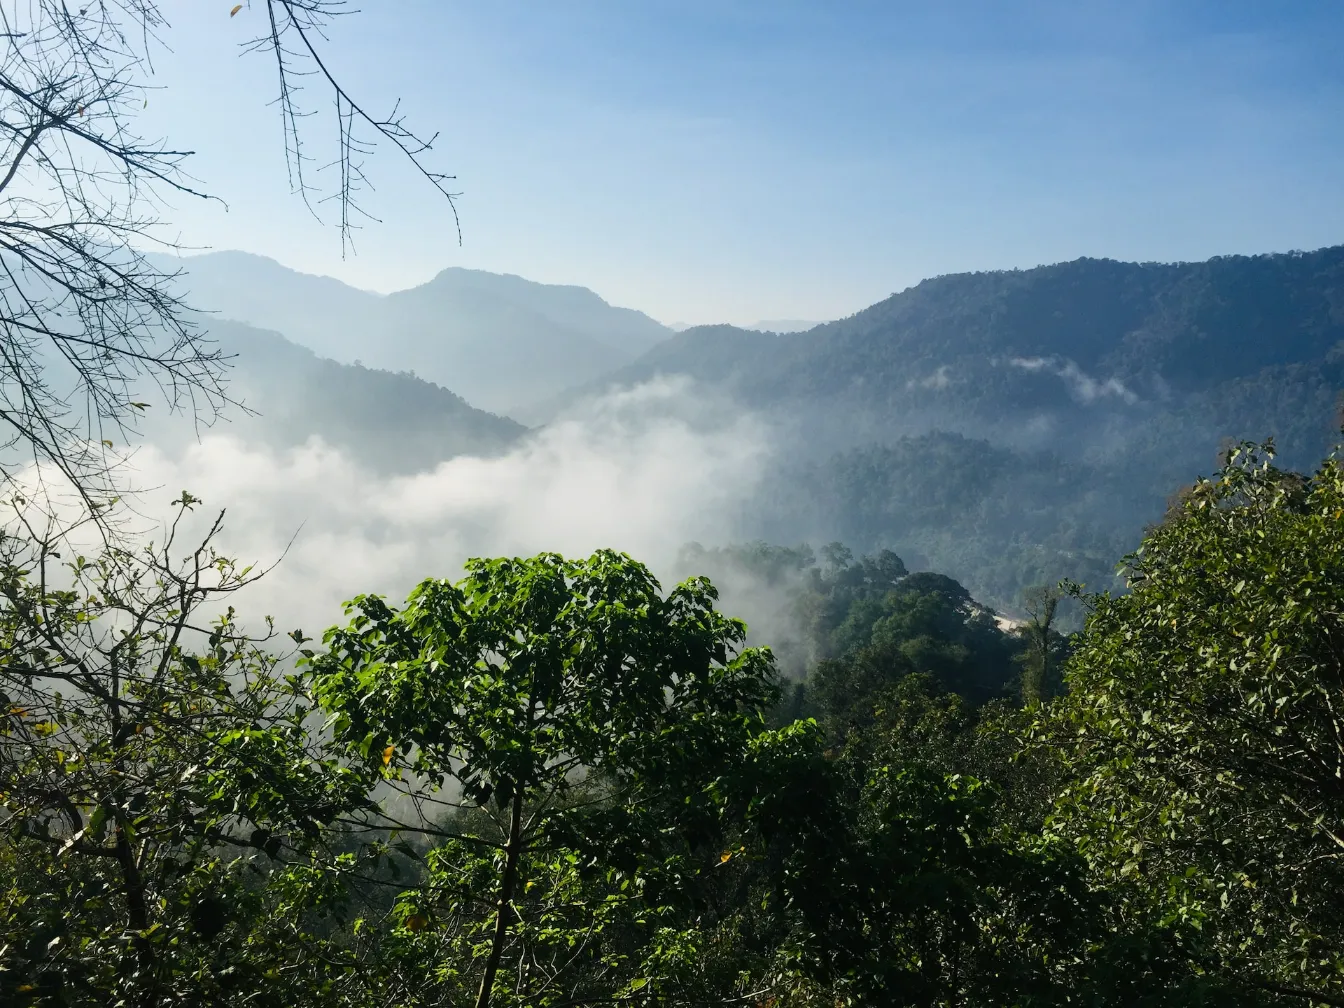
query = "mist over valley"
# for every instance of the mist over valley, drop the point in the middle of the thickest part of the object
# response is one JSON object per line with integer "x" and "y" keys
{"x": 634, "y": 530}
{"x": 1009, "y": 429}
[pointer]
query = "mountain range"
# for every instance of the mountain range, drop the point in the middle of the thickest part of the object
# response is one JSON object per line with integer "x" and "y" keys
{"x": 1008, "y": 427}
{"x": 500, "y": 341}
{"x": 781, "y": 325}
{"x": 1075, "y": 357}
{"x": 1022, "y": 426}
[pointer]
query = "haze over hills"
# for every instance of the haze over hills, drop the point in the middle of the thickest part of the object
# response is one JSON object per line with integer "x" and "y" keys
{"x": 782, "y": 325}
{"x": 501, "y": 342}
{"x": 1008, "y": 428}
{"x": 1021, "y": 426}
{"x": 385, "y": 422}
{"x": 1094, "y": 349}
{"x": 765, "y": 325}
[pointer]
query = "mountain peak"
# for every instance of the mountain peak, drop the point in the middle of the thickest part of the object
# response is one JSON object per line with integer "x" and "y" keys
{"x": 498, "y": 340}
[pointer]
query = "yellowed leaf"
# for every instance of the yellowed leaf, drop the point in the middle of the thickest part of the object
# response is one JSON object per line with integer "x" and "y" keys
{"x": 387, "y": 754}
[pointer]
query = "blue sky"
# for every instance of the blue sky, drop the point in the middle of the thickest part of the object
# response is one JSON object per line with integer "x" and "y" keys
{"x": 735, "y": 161}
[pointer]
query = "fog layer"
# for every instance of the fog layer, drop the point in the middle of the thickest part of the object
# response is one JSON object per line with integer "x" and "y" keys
{"x": 642, "y": 470}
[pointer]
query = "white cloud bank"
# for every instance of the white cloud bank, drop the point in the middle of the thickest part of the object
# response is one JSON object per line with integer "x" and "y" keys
{"x": 641, "y": 470}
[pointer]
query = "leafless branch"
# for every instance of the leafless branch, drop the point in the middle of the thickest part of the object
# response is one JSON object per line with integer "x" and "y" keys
{"x": 92, "y": 332}
{"x": 294, "y": 32}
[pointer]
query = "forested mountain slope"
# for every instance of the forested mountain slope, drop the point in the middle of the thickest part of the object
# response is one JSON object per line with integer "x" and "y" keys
{"x": 1018, "y": 427}
{"x": 1083, "y": 358}
{"x": 389, "y": 422}
{"x": 1009, "y": 428}
{"x": 499, "y": 341}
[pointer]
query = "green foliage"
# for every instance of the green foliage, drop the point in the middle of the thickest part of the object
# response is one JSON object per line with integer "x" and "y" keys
{"x": 894, "y": 879}
{"x": 551, "y": 783}
{"x": 597, "y": 716}
{"x": 1202, "y": 729}
{"x": 149, "y": 755}
{"x": 921, "y": 622}
{"x": 845, "y": 597}
{"x": 917, "y": 902}
{"x": 1045, "y": 649}
{"x": 881, "y": 631}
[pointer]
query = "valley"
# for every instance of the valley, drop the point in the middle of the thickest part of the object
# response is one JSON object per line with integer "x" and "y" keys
{"x": 689, "y": 505}
{"x": 1010, "y": 429}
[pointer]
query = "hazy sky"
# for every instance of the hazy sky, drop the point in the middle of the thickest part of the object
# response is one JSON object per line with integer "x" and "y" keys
{"x": 735, "y": 161}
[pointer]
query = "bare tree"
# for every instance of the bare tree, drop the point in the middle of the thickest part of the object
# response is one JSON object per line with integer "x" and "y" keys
{"x": 85, "y": 317}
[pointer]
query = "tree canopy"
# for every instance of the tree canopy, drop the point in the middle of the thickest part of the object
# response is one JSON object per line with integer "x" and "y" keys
{"x": 553, "y": 782}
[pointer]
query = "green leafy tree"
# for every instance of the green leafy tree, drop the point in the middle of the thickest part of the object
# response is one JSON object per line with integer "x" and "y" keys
{"x": 900, "y": 888}
{"x": 1045, "y": 647}
{"x": 887, "y": 627}
{"x": 582, "y": 726}
{"x": 1203, "y": 730}
{"x": 150, "y": 749}
{"x": 842, "y": 587}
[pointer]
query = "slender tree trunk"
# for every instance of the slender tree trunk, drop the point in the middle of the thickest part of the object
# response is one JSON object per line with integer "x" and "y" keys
{"x": 507, "y": 883}
{"x": 1045, "y": 660}
{"x": 1040, "y": 665}
{"x": 137, "y": 915}
{"x": 1040, "y": 604}
{"x": 132, "y": 879}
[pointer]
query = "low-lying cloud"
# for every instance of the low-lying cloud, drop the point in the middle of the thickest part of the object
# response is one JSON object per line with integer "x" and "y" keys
{"x": 1082, "y": 386}
{"x": 941, "y": 378}
{"x": 641, "y": 470}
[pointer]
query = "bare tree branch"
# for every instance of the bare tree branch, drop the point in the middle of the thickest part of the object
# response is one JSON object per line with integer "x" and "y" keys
{"x": 295, "y": 30}
{"x": 89, "y": 325}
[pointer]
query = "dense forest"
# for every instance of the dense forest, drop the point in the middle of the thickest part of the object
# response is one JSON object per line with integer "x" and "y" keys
{"x": 911, "y": 741}
{"x": 554, "y": 782}
{"x": 1024, "y": 426}
{"x": 976, "y": 693}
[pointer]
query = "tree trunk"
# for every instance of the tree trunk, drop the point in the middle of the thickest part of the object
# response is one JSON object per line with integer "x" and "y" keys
{"x": 137, "y": 914}
{"x": 132, "y": 880}
{"x": 507, "y": 883}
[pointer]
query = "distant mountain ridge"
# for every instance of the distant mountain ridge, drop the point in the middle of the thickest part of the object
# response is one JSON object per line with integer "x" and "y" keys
{"x": 1017, "y": 427}
{"x": 500, "y": 341}
{"x": 783, "y": 325}
{"x": 1090, "y": 348}
{"x": 1009, "y": 428}
{"x": 387, "y": 422}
